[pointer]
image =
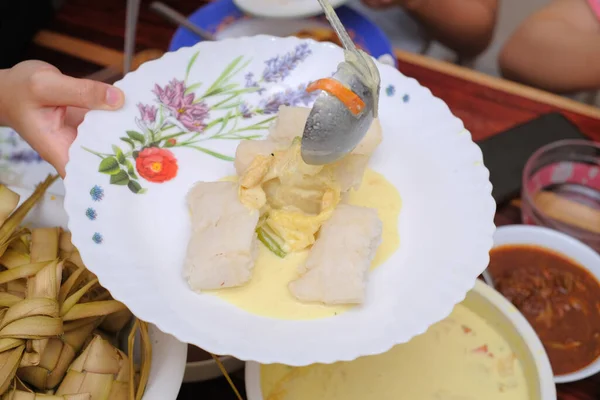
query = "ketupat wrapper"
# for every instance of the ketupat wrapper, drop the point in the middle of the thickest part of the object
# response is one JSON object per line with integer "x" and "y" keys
{"x": 19, "y": 391}
{"x": 50, "y": 308}
{"x": 24, "y": 395}
{"x": 57, "y": 356}
{"x": 8, "y": 230}
{"x": 101, "y": 370}
{"x": 113, "y": 323}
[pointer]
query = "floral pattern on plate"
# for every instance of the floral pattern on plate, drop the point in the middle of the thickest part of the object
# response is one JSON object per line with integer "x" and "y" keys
{"x": 181, "y": 117}
{"x": 21, "y": 166}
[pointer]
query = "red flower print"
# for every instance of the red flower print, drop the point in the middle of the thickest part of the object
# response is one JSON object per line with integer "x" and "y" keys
{"x": 156, "y": 165}
{"x": 172, "y": 142}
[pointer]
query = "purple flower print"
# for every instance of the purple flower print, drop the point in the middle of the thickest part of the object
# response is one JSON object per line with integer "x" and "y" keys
{"x": 279, "y": 67}
{"x": 13, "y": 138}
{"x": 289, "y": 97}
{"x": 250, "y": 81}
{"x": 172, "y": 94}
{"x": 182, "y": 106}
{"x": 148, "y": 113}
{"x": 23, "y": 156}
{"x": 244, "y": 110}
{"x": 193, "y": 116}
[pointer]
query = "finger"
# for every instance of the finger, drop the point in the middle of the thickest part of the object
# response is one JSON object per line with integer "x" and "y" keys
{"x": 74, "y": 116}
{"x": 58, "y": 154}
{"x": 50, "y": 88}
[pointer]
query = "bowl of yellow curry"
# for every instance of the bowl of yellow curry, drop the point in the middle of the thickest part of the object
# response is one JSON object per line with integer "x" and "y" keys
{"x": 485, "y": 349}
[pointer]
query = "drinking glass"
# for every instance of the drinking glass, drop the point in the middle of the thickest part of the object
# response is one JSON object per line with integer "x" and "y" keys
{"x": 561, "y": 189}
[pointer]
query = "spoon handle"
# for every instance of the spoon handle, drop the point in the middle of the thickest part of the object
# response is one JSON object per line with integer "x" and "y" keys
{"x": 133, "y": 9}
{"x": 337, "y": 26}
{"x": 179, "y": 19}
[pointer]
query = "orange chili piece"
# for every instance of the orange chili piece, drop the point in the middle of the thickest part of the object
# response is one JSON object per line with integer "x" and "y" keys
{"x": 335, "y": 88}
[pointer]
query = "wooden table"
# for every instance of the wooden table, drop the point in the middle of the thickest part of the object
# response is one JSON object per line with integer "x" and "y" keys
{"x": 486, "y": 105}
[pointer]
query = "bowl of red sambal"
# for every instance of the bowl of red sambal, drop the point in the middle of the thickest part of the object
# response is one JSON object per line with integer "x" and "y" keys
{"x": 554, "y": 281}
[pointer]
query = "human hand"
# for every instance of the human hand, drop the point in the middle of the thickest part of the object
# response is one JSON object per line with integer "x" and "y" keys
{"x": 45, "y": 107}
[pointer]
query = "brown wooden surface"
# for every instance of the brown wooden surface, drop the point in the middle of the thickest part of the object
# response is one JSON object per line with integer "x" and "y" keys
{"x": 486, "y": 105}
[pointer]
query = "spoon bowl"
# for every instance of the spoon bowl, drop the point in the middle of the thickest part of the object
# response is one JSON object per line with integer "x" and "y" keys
{"x": 332, "y": 130}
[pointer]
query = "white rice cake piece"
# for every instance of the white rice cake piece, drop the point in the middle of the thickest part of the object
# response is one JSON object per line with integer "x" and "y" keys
{"x": 290, "y": 124}
{"x": 349, "y": 171}
{"x": 371, "y": 141}
{"x": 336, "y": 268}
{"x": 247, "y": 151}
{"x": 223, "y": 245}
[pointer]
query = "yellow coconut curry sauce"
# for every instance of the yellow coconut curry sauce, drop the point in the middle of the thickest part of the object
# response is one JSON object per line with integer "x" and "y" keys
{"x": 459, "y": 358}
{"x": 267, "y": 293}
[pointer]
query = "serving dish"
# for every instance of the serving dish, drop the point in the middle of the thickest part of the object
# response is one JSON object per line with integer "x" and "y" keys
{"x": 201, "y": 366}
{"x": 284, "y": 9}
{"x": 136, "y": 228}
{"x": 504, "y": 317}
{"x": 224, "y": 19}
{"x": 561, "y": 243}
{"x": 198, "y": 371}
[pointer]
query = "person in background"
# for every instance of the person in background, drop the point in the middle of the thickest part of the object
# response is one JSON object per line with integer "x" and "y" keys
{"x": 464, "y": 26}
{"x": 556, "y": 48}
{"x": 45, "y": 107}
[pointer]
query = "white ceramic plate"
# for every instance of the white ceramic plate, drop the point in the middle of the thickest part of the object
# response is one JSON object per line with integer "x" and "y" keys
{"x": 168, "y": 354}
{"x": 284, "y": 8}
{"x": 136, "y": 243}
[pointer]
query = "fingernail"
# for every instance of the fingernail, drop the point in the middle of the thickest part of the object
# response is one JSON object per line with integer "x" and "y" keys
{"x": 113, "y": 96}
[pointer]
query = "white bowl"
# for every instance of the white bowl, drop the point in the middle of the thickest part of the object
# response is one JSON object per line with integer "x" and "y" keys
{"x": 199, "y": 371}
{"x": 168, "y": 365}
{"x": 283, "y": 8}
{"x": 566, "y": 245}
{"x": 506, "y": 319}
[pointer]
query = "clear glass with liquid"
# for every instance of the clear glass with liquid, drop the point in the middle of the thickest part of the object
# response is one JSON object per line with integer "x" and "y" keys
{"x": 561, "y": 189}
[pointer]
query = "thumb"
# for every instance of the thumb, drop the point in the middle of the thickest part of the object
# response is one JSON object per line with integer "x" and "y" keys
{"x": 51, "y": 88}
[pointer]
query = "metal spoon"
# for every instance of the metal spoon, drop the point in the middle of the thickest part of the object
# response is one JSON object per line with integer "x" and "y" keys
{"x": 331, "y": 130}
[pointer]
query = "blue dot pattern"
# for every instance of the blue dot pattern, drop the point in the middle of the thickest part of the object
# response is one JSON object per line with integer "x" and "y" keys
{"x": 97, "y": 193}
{"x": 97, "y": 238}
{"x": 390, "y": 90}
{"x": 91, "y": 214}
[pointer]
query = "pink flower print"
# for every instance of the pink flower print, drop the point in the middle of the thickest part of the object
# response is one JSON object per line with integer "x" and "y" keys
{"x": 147, "y": 112}
{"x": 194, "y": 116}
{"x": 172, "y": 94}
{"x": 182, "y": 106}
